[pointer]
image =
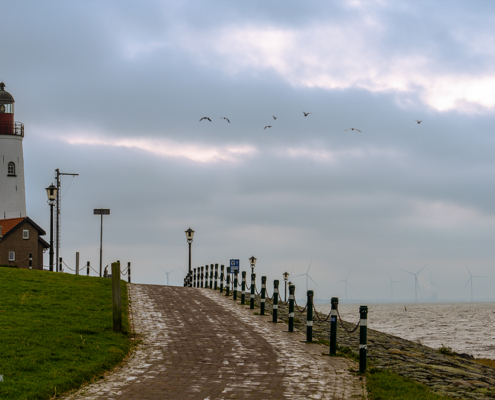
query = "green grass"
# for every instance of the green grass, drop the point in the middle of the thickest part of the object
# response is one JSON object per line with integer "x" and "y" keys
{"x": 56, "y": 332}
{"x": 385, "y": 385}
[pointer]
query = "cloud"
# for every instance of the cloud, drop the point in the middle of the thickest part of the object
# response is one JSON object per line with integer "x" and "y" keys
{"x": 337, "y": 55}
{"x": 168, "y": 148}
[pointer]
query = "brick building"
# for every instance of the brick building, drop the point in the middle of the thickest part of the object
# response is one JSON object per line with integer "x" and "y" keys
{"x": 18, "y": 238}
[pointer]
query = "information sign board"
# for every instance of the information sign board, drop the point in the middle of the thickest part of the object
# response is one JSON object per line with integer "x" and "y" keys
{"x": 234, "y": 266}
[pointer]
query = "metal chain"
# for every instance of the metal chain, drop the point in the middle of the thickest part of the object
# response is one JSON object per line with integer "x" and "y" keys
{"x": 318, "y": 316}
{"x": 299, "y": 308}
{"x": 68, "y": 266}
{"x": 343, "y": 326}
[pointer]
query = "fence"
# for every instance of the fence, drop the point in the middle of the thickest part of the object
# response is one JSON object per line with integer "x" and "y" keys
{"x": 264, "y": 300}
{"x": 77, "y": 271}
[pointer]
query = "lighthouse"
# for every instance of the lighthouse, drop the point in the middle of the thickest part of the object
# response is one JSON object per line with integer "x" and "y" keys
{"x": 12, "y": 192}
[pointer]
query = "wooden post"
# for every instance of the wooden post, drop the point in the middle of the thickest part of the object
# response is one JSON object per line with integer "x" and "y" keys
{"x": 117, "y": 303}
{"x": 77, "y": 263}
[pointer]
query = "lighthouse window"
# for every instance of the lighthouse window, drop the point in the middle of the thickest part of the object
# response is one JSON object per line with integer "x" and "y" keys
{"x": 11, "y": 169}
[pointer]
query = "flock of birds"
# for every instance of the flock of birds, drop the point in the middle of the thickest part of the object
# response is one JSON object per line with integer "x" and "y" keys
{"x": 274, "y": 118}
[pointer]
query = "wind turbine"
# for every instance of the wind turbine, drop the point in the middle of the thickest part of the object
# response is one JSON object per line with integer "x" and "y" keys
{"x": 391, "y": 285}
{"x": 416, "y": 282}
{"x": 346, "y": 283}
{"x": 168, "y": 273}
{"x": 307, "y": 275}
{"x": 471, "y": 276}
{"x": 433, "y": 284}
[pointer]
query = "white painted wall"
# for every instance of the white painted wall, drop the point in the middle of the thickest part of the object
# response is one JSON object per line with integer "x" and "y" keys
{"x": 12, "y": 190}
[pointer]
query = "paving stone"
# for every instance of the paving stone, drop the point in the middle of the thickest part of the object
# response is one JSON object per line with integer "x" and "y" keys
{"x": 199, "y": 344}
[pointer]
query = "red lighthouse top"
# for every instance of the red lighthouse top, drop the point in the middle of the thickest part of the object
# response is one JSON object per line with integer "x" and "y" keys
{"x": 7, "y": 124}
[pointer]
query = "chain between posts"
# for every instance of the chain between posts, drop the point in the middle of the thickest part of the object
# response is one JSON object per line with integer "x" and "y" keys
{"x": 318, "y": 317}
{"x": 343, "y": 326}
{"x": 299, "y": 308}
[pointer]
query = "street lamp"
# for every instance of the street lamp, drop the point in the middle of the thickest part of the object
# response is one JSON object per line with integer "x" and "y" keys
{"x": 51, "y": 191}
{"x": 101, "y": 212}
{"x": 286, "y": 278}
{"x": 252, "y": 261}
{"x": 189, "y": 236}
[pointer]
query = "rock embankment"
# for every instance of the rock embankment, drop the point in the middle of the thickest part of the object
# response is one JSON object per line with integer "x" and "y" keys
{"x": 448, "y": 375}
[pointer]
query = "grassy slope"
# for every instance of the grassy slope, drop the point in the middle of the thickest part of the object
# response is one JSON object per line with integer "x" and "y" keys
{"x": 385, "y": 385}
{"x": 55, "y": 332}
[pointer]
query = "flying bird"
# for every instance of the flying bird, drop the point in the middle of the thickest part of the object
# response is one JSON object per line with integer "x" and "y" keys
{"x": 274, "y": 117}
{"x": 226, "y": 119}
{"x": 352, "y": 129}
{"x": 418, "y": 121}
{"x": 268, "y": 126}
{"x": 204, "y": 118}
{"x": 306, "y": 114}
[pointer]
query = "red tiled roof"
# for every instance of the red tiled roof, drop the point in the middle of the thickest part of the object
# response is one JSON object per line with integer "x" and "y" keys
{"x": 10, "y": 223}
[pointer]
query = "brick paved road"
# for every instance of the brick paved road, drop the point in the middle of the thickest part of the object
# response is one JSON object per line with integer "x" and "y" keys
{"x": 198, "y": 344}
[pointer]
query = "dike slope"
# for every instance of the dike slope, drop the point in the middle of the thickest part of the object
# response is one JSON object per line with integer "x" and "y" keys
{"x": 447, "y": 375}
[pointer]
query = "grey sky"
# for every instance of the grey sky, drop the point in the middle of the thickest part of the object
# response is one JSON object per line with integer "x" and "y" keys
{"x": 114, "y": 91}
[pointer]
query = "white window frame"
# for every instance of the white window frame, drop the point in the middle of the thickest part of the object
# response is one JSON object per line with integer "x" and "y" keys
{"x": 25, "y": 234}
{"x": 11, "y": 255}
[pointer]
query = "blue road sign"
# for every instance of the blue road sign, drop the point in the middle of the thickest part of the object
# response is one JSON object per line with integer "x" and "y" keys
{"x": 234, "y": 266}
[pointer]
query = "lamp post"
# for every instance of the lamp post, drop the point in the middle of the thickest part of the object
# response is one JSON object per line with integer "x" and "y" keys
{"x": 101, "y": 212}
{"x": 286, "y": 278}
{"x": 51, "y": 191}
{"x": 252, "y": 261}
{"x": 189, "y": 236}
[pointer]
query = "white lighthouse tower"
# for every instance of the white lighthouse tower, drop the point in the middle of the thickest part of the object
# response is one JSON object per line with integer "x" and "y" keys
{"x": 12, "y": 192}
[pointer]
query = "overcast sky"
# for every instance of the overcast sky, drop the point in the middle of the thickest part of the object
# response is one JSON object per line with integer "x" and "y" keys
{"x": 114, "y": 91}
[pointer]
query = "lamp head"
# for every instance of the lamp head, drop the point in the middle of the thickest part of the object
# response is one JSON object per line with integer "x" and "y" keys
{"x": 286, "y": 276}
{"x": 51, "y": 192}
{"x": 252, "y": 260}
{"x": 189, "y": 235}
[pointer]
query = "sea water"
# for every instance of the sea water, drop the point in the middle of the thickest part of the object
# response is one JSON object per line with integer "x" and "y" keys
{"x": 464, "y": 327}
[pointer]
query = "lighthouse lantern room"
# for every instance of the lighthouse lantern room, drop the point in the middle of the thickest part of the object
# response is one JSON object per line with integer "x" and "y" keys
{"x": 12, "y": 192}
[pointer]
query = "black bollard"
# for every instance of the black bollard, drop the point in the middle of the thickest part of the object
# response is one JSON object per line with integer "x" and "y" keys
{"x": 60, "y": 265}
{"x": 206, "y": 276}
{"x": 202, "y": 276}
{"x": 309, "y": 317}
{"x": 235, "y": 285}
{"x": 30, "y": 260}
{"x": 227, "y": 286}
{"x": 263, "y": 294}
{"x": 253, "y": 282}
{"x": 87, "y": 270}
{"x": 222, "y": 267}
{"x": 128, "y": 272}
{"x": 333, "y": 326}
{"x": 363, "y": 338}
{"x": 194, "y": 277}
{"x": 243, "y": 288}
{"x": 275, "y": 301}
{"x": 211, "y": 276}
{"x": 292, "y": 290}
{"x": 216, "y": 276}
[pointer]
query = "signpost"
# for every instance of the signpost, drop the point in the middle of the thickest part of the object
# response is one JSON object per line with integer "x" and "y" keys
{"x": 102, "y": 212}
{"x": 234, "y": 266}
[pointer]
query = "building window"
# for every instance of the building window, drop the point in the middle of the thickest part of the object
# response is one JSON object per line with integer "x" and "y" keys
{"x": 25, "y": 234}
{"x": 11, "y": 255}
{"x": 11, "y": 169}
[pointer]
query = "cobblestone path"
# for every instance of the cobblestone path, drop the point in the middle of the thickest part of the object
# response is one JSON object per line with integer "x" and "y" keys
{"x": 199, "y": 344}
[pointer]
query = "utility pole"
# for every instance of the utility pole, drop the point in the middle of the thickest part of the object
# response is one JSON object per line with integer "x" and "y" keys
{"x": 57, "y": 238}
